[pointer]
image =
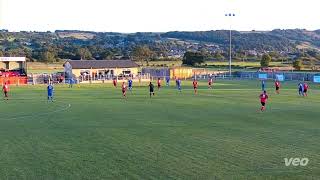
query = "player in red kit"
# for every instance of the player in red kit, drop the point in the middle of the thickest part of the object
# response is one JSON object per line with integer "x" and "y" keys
{"x": 195, "y": 86}
{"x": 210, "y": 81}
{"x": 6, "y": 90}
{"x": 124, "y": 89}
{"x": 277, "y": 85}
{"x": 263, "y": 99}
{"x": 115, "y": 82}
{"x": 305, "y": 89}
{"x": 159, "y": 83}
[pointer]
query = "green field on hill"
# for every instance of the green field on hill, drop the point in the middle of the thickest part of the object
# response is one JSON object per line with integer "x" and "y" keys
{"x": 91, "y": 132}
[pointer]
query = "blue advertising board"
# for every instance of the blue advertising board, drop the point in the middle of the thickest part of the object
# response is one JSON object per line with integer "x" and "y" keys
{"x": 316, "y": 78}
{"x": 280, "y": 77}
{"x": 263, "y": 76}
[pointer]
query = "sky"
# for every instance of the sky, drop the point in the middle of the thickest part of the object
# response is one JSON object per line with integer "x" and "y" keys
{"x": 158, "y": 15}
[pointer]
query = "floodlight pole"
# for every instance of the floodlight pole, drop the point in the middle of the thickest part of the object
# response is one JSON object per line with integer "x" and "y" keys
{"x": 230, "y": 45}
{"x": 230, "y": 56}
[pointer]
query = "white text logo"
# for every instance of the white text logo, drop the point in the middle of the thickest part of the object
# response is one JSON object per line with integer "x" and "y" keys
{"x": 296, "y": 161}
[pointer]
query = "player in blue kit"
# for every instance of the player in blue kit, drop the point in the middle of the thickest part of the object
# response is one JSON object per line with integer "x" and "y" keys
{"x": 178, "y": 81}
{"x": 71, "y": 82}
{"x": 50, "y": 90}
{"x": 300, "y": 89}
{"x": 167, "y": 80}
{"x": 263, "y": 85}
{"x": 130, "y": 84}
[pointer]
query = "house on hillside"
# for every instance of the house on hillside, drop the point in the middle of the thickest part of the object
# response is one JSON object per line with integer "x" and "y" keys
{"x": 100, "y": 69}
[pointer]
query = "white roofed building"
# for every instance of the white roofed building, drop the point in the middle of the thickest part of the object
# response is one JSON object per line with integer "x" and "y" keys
{"x": 12, "y": 63}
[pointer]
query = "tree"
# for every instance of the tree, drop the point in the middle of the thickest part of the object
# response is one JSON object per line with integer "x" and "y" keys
{"x": 218, "y": 56}
{"x": 275, "y": 54}
{"x": 15, "y": 52}
{"x": 241, "y": 54}
{"x": 312, "y": 64}
{"x": 193, "y": 58}
{"x": 84, "y": 54}
{"x": 142, "y": 53}
{"x": 48, "y": 56}
{"x": 28, "y": 54}
{"x": 1, "y": 53}
{"x": 298, "y": 64}
{"x": 108, "y": 54}
{"x": 265, "y": 60}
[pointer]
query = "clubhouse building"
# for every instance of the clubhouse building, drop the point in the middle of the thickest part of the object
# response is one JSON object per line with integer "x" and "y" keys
{"x": 100, "y": 69}
{"x": 12, "y": 63}
{"x": 13, "y": 70}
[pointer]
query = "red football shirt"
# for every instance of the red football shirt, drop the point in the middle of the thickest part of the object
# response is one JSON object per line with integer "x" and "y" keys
{"x": 124, "y": 87}
{"x": 305, "y": 86}
{"x": 6, "y": 88}
{"x": 277, "y": 84}
{"x": 195, "y": 84}
{"x": 263, "y": 97}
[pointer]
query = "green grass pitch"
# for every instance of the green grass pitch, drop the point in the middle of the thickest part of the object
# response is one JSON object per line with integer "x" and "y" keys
{"x": 217, "y": 134}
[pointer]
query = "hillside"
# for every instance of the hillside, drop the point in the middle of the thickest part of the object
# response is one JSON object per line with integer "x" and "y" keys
{"x": 276, "y": 40}
{"x": 62, "y": 44}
